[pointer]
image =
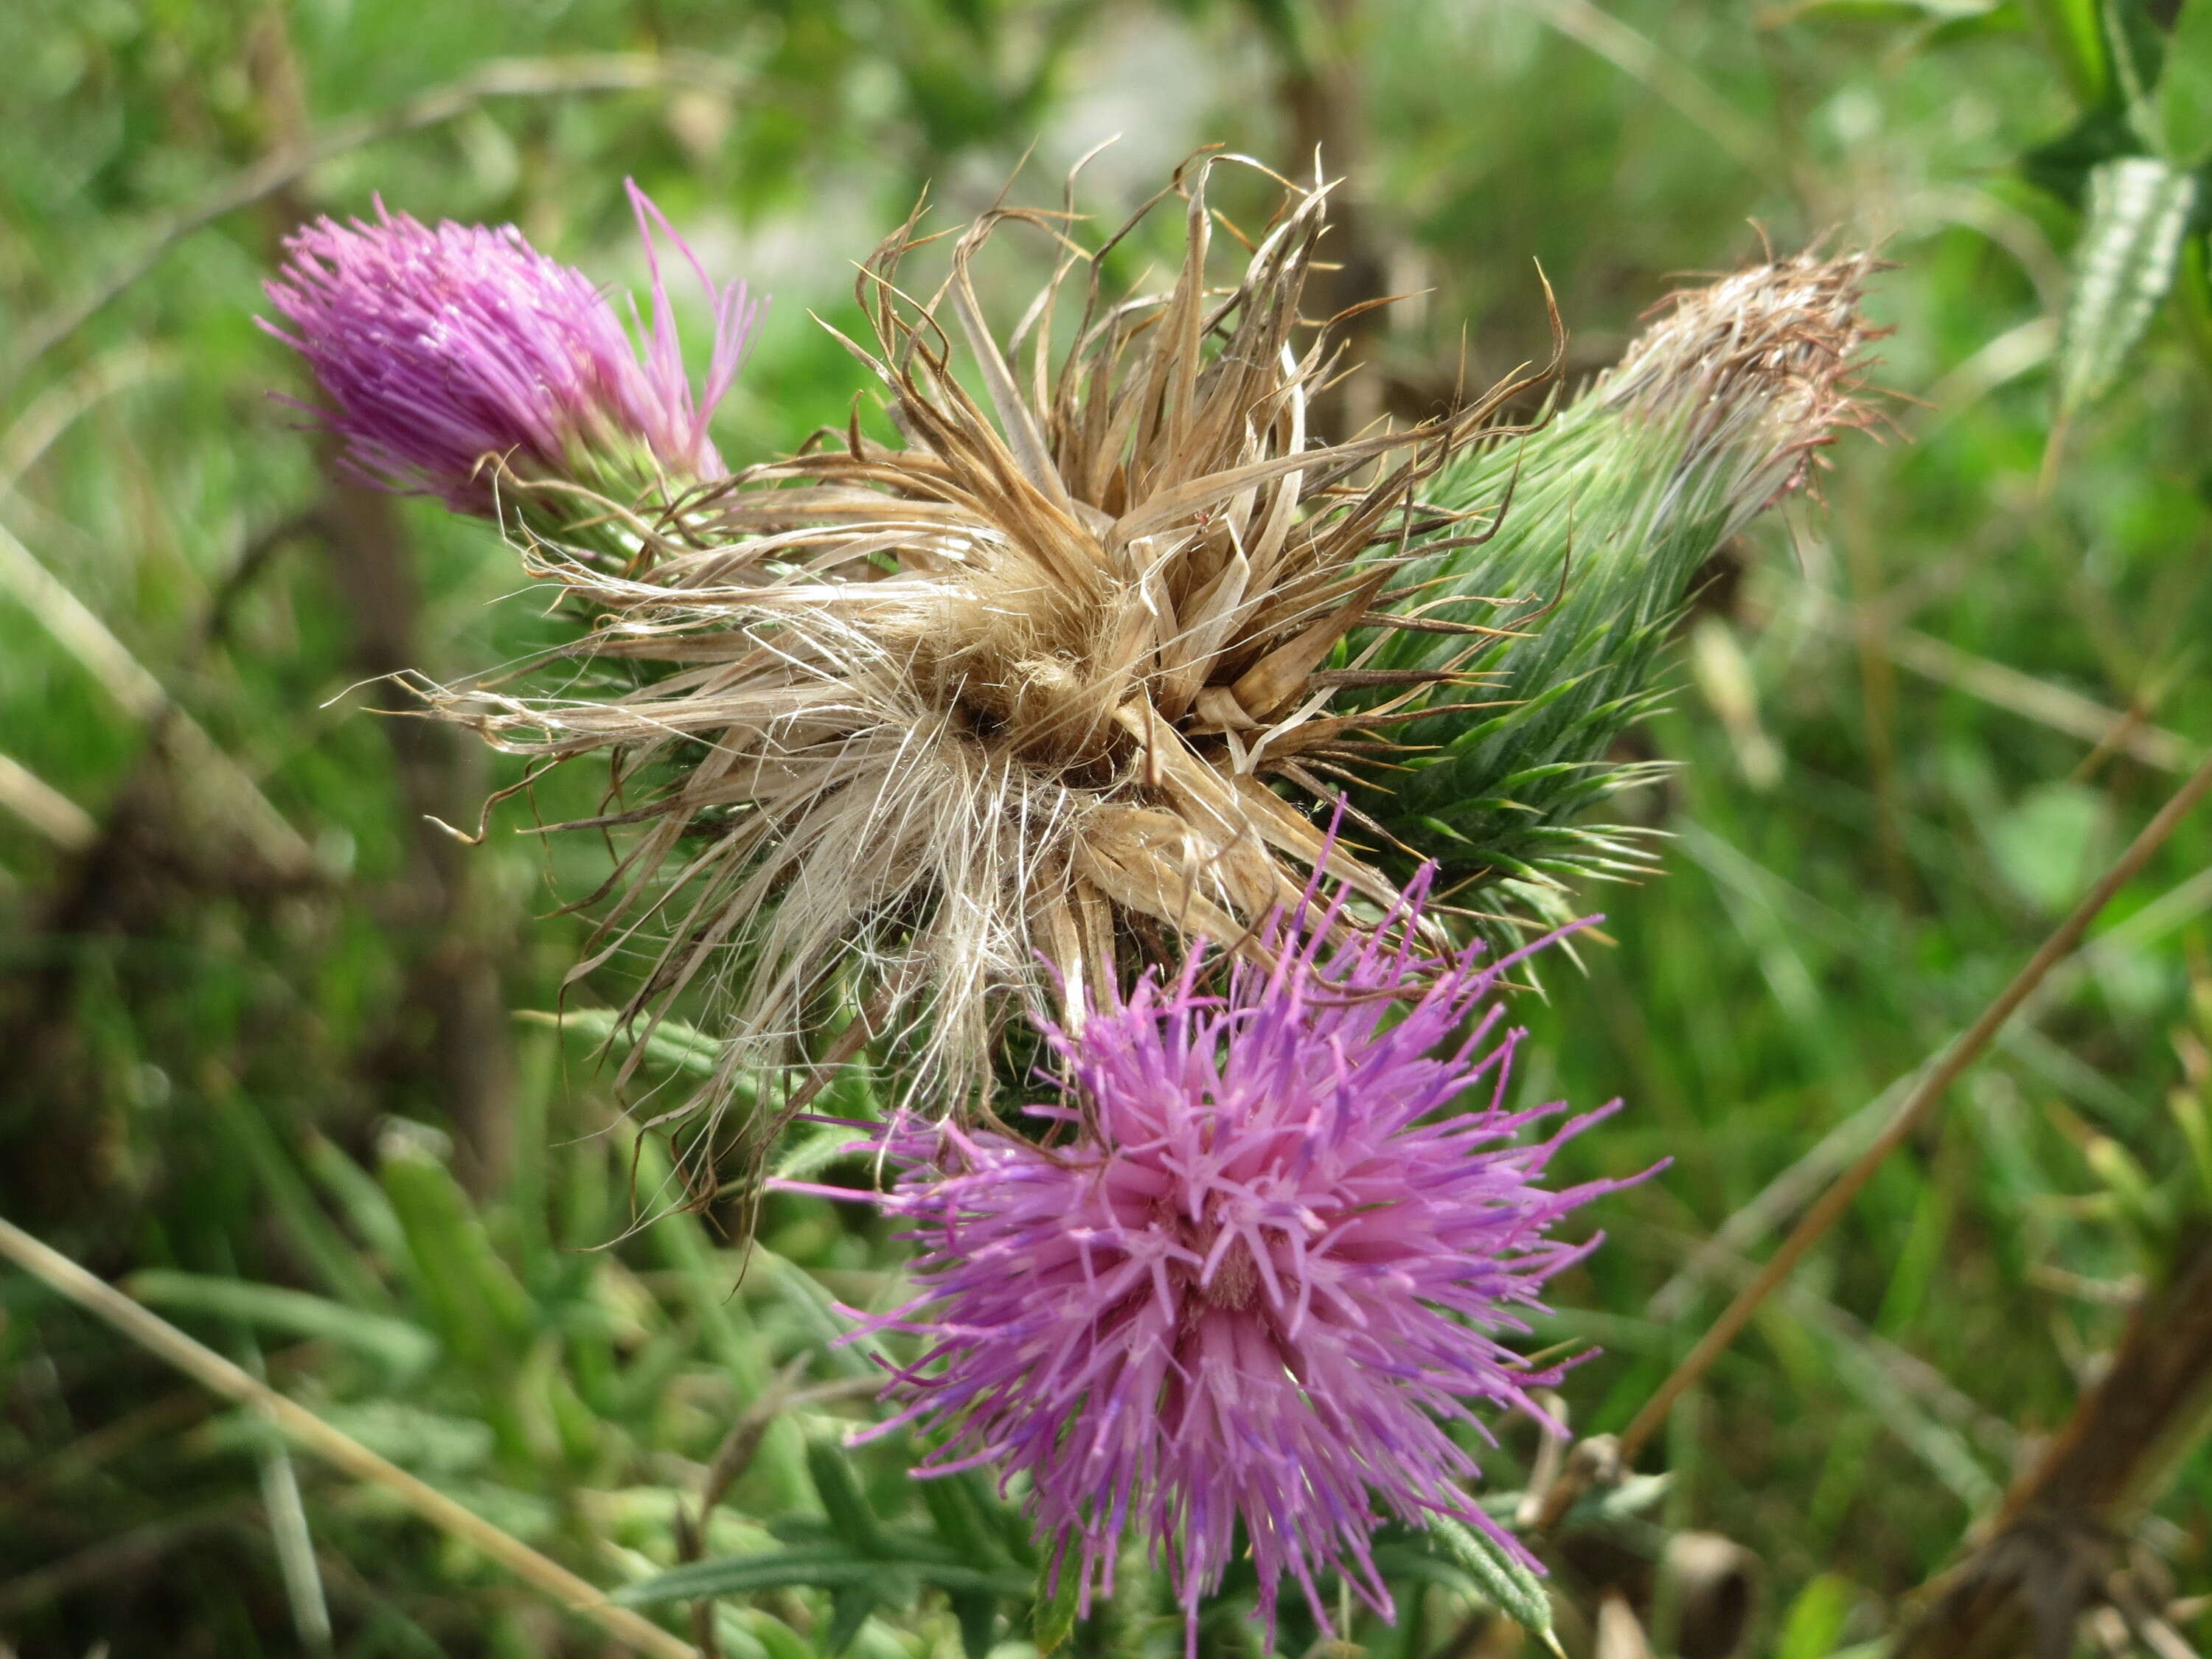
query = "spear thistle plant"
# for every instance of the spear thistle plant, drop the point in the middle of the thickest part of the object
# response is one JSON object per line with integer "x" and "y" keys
{"x": 929, "y": 733}
{"x": 1041, "y": 683}
{"x": 1261, "y": 1256}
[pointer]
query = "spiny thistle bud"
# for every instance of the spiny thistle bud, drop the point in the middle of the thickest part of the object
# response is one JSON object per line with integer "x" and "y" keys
{"x": 455, "y": 356}
{"x": 1715, "y": 413}
{"x": 1026, "y": 688}
{"x": 1264, "y": 1244}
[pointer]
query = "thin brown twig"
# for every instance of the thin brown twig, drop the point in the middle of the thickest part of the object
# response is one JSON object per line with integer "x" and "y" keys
{"x": 210, "y": 1369}
{"x": 525, "y": 77}
{"x": 1781, "y": 1197}
{"x": 140, "y": 695}
{"x": 732, "y": 1459}
{"x": 1915, "y": 1110}
{"x": 116, "y": 1557}
{"x": 2058, "y": 1544}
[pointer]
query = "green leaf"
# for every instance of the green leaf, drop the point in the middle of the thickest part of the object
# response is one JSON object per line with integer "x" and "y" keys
{"x": 897, "y": 1576}
{"x": 978, "y": 1614}
{"x": 2193, "y": 289}
{"x": 2184, "y": 90}
{"x": 824, "y": 1567}
{"x": 481, "y": 1311}
{"x": 2049, "y": 845}
{"x": 433, "y": 1445}
{"x": 341, "y": 1268}
{"x": 669, "y": 1043}
{"x": 355, "y": 1192}
{"x": 842, "y": 1500}
{"x": 403, "y": 1349}
{"x": 1059, "y": 1584}
{"x": 1815, "y": 1618}
{"x": 1506, "y": 1580}
{"x": 2131, "y": 243}
{"x": 1633, "y": 1497}
{"x": 957, "y": 1526}
{"x": 850, "y": 1607}
{"x": 2073, "y": 30}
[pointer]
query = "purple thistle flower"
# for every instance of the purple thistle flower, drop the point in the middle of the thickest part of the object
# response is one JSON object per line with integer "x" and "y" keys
{"x": 438, "y": 347}
{"x": 1271, "y": 1246}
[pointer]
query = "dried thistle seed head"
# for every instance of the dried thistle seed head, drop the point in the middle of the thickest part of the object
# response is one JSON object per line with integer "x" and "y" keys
{"x": 1714, "y": 413}
{"x": 968, "y": 724}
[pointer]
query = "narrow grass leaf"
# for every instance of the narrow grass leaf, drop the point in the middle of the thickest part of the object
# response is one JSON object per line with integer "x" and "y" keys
{"x": 850, "y": 1607}
{"x": 403, "y": 1350}
{"x": 482, "y": 1309}
{"x": 842, "y": 1500}
{"x": 320, "y": 1244}
{"x": 669, "y": 1044}
{"x": 822, "y": 1566}
{"x": 977, "y": 1613}
{"x": 2185, "y": 89}
{"x": 1814, "y": 1622}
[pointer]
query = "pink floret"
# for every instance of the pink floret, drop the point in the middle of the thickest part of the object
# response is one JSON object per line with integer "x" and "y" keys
{"x": 1271, "y": 1261}
{"x": 438, "y": 347}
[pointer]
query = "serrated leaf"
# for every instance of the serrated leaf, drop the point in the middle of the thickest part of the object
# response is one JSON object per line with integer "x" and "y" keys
{"x": 1505, "y": 1579}
{"x": 2124, "y": 264}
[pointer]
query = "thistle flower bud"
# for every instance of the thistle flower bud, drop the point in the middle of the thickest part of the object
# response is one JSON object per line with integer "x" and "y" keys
{"x": 1276, "y": 1238}
{"x": 1715, "y": 413}
{"x": 450, "y": 354}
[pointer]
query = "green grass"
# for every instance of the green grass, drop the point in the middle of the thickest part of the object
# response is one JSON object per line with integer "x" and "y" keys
{"x": 280, "y": 1093}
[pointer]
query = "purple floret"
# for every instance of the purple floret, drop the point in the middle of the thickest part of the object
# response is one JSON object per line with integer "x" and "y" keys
{"x": 1265, "y": 1257}
{"x": 440, "y": 347}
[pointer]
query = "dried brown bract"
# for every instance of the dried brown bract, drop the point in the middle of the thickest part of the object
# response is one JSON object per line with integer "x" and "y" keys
{"x": 943, "y": 729}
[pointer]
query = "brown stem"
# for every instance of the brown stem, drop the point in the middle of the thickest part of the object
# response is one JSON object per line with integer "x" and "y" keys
{"x": 2059, "y": 1537}
{"x": 1915, "y": 1108}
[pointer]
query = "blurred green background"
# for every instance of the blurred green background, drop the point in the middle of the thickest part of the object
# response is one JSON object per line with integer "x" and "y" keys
{"x": 259, "y": 1051}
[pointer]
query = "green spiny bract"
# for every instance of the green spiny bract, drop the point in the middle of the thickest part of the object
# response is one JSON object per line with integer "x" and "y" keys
{"x": 1599, "y": 520}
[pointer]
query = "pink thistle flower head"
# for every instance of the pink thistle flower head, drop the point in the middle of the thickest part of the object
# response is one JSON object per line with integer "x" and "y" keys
{"x": 438, "y": 347}
{"x": 1265, "y": 1258}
